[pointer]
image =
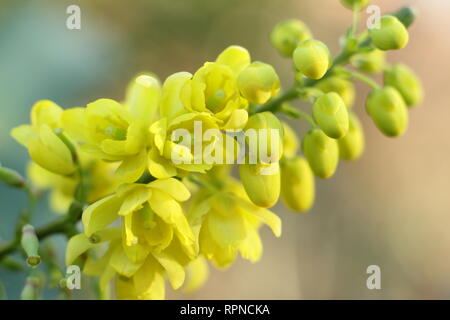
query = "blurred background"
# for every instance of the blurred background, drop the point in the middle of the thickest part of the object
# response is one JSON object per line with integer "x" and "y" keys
{"x": 391, "y": 208}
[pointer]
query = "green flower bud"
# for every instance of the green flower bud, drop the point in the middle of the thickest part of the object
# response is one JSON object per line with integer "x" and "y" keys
{"x": 406, "y": 15}
{"x": 351, "y": 146}
{"x": 341, "y": 86}
{"x": 11, "y": 178}
{"x": 258, "y": 82}
{"x": 321, "y": 152}
{"x": 392, "y": 35}
{"x": 286, "y": 35}
{"x": 267, "y": 127}
{"x": 357, "y": 4}
{"x": 261, "y": 183}
{"x": 290, "y": 141}
{"x": 297, "y": 184}
{"x": 330, "y": 113}
{"x": 371, "y": 62}
{"x": 312, "y": 58}
{"x": 31, "y": 291}
{"x": 402, "y": 78}
{"x": 30, "y": 244}
{"x": 388, "y": 110}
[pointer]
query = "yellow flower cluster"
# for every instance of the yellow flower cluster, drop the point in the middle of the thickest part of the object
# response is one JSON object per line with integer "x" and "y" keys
{"x": 156, "y": 206}
{"x": 138, "y": 231}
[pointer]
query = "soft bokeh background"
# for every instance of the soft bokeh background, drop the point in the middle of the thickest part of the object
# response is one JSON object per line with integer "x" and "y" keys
{"x": 391, "y": 208}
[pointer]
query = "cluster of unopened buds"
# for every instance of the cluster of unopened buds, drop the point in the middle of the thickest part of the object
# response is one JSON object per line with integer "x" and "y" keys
{"x": 151, "y": 176}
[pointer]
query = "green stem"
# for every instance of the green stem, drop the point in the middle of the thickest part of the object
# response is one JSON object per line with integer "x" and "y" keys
{"x": 275, "y": 104}
{"x": 62, "y": 224}
{"x": 362, "y": 77}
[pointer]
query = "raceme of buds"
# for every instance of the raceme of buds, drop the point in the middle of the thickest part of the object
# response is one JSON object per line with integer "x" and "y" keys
{"x": 261, "y": 183}
{"x": 357, "y": 4}
{"x": 388, "y": 110}
{"x": 341, "y": 86}
{"x": 286, "y": 35}
{"x": 11, "y": 177}
{"x": 371, "y": 62}
{"x": 351, "y": 146}
{"x": 322, "y": 153}
{"x": 269, "y": 133}
{"x": 392, "y": 34}
{"x": 258, "y": 82}
{"x": 402, "y": 78}
{"x": 330, "y": 113}
{"x": 30, "y": 244}
{"x": 297, "y": 184}
{"x": 312, "y": 58}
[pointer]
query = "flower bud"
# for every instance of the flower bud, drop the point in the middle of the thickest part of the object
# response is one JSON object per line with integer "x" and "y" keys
{"x": 261, "y": 183}
{"x": 297, "y": 184}
{"x": 392, "y": 35}
{"x": 11, "y": 177}
{"x": 371, "y": 62}
{"x": 388, "y": 110}
{"x": 268, "y": 131}
{"x": 290, "y": 141}
{"x": 402, "y": 78}
{"x": 330, "y": 113}
{"x": 31, "y": 291}
{"x": 357, "y": 4}
{"x": 351, "y": 146}
{"x": 312, "y": 58}
{"x": 286, "y": 35}
{"x": 30, "y": 244}
{"x": 321, "y": 152}
{"x": 341, "y": 86}
{"x": 258, "y": 82}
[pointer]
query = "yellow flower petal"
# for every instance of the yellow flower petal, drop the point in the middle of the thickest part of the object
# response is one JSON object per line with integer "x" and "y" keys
{"x": 51, "y": 153}
{"x": 132, "y": 167}
{"x": 100, "y": 214}
{"x": 170, "y": 211}
{"x": 236, "y": 57}
{"x": 134, "y": 200}
{"x": 76, "y": 246}
{"x": 265, "y": 215}
{"x": 226, "y": 230}
{"x": 46, "y": 112}
{"x": 175, "y": 188}
{"x": 174, "y": 270}
{"x": 24, "y": 134}
{"x": 251, "y": 248}
{"x": 237, "y": 120}
{"x": 197, "y": 272}
{"x": 160, "y": 167}
{"x": 143, "y": 97}
{"x": 74, "y": 123}
{"x": 122, "y": 264}
{"x": 171, "y": 105}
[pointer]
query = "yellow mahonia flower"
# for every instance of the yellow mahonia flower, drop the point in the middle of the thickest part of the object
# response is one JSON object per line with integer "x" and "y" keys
{"x": 212, "y": 89}
{"x": 42, "y": 141}
{"x": 113, "y": 131}
{"x": 180, "y": 144}
{"x": 62, "y": 188}
{"x": 227, "y": 223}
{"x": 155, "y": 239}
